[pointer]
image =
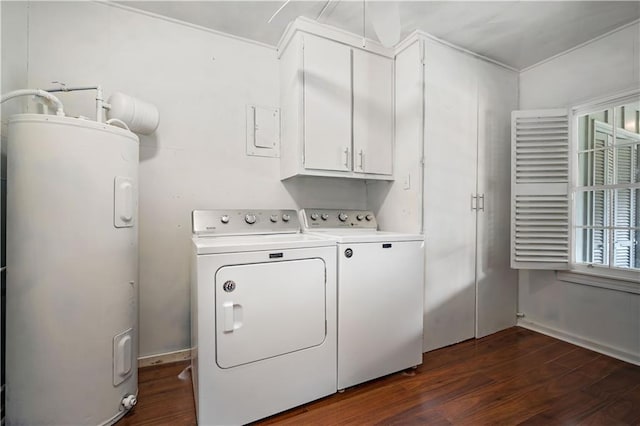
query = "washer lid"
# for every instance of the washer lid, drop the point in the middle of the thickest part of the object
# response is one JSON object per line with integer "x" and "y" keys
{"x": 366, "y": 236}
{"x": 245, "y": 243}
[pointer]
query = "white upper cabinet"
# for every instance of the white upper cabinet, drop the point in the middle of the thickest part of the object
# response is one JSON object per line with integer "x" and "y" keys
{"x": 336, "y": 105}
{"x": 372, "y": 113}
{"x": 327, "y": 104}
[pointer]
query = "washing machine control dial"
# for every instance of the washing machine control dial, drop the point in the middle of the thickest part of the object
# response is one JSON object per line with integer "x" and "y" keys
{"x": 274, "y": 218}
{"x": 314, "y": 216}
{"x": 343, "y": 217}
{"x": 224, "y": 218}
{"x": 369, "y": 217}
{"x": 360, "y": 217}
{"x": 250, "y": 219}
{"x": 285, "y": 217}
{"x": 324, "y": 216}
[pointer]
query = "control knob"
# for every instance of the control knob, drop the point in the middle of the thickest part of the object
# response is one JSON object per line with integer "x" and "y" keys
{"x": 324, "y": 216}
{"x": 225, "y": 218}
{"x": 369, "y": 217}
{"x": 285, "y": 217}
{"x": 360, "y": 217}
{"x": 314, "y": 216}
{"x": 250, "y": 219}
{"x": 343, "y": 217}
{"x": 274, "y": 218}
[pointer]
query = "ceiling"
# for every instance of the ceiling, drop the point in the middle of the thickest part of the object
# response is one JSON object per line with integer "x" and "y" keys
{"x": 516, "y": 33}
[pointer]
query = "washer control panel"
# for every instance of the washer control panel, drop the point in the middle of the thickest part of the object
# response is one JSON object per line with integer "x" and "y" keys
{"x": 238, "y": 222}
{"x": 329, "y": 218}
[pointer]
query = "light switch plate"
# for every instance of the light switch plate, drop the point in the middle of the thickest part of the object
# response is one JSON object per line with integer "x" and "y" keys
{"x": 407, "y": 182}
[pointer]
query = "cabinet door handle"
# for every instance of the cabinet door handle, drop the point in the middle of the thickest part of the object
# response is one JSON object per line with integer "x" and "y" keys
{"x": 346, "y": 158}
{"x": 481, "y": 205}
{"x": 474, "y": 202}
{"x": 361, "y": 154}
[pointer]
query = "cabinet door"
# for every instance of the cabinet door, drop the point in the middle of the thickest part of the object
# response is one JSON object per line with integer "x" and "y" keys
{"x": 449, "y": 182}
{"x": 327, "y": 104}
{"x": 497, "y": 283}
{"x": 372, "y": 113}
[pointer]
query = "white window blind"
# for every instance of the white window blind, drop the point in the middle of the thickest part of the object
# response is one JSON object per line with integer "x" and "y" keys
{"x": 540, "y": 205}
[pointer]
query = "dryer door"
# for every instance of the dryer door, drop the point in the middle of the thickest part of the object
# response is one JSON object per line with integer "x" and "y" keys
{"x": 268, "y": 309}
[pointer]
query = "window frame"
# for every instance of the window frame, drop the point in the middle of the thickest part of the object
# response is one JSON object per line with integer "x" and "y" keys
{"x": 603, "y": 271}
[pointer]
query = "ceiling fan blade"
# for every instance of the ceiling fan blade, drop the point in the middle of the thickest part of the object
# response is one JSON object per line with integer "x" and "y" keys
{"x": 385, "y": 19}
{"x": 278, "y": 11}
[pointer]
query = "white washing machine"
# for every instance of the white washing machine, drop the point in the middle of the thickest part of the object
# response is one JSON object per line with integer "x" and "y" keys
{"x": 263, "y": 315}
{"x": 380, "y": 294}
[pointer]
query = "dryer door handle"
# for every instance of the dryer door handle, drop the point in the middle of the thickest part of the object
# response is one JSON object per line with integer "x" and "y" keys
{"x": 227, "y": 309}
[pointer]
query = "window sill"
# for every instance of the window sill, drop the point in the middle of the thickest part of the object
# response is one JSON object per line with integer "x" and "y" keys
{"x": 595, "y": 278}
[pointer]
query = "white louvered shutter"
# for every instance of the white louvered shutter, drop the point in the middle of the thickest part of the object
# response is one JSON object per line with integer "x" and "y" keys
{"x": 602, "y": 172}
{"x": 625, "y": 209}
{"x": 540, "y": 203}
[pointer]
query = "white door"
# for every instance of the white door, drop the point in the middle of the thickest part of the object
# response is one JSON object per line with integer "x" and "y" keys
{"x": 379, "y": 310}
{"x": 268, "y": 309}
{"x": 327, "y": 104}
{"x": 449, "y": 182}
{"x": 372, "y": 113}
{"x": 496, "y": 282}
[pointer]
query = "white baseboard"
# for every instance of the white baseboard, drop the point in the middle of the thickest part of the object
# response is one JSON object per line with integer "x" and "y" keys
{"x": 182, "y": 355}
{"x": 581, "y": 341}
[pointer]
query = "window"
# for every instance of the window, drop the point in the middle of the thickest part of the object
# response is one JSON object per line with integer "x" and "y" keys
{"x": 575, "y": 188}
{"x": 607, "y": 191}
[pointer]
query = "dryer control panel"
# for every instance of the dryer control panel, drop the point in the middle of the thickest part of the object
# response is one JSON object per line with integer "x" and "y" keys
{"x": 330, "y": 218}
{"x": 241, "y": 222}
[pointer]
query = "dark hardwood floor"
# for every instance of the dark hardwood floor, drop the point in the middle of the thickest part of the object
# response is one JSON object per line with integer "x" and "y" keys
{"x": 512, "y": 377}
{"x": 163, "y": 397}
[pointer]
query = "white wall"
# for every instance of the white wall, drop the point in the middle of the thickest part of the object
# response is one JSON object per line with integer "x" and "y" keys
{"x": 605, "y": 319}
{"x": 14, "y": 55}
{"x": 602, "y": 67}
{"x": 13, "y": 25}
{"x": 201, "y": 82}
{"x": 397, "y": 204}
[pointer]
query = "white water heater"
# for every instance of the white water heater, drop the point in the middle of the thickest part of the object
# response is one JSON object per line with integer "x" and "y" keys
{"x": 72, "y": 271}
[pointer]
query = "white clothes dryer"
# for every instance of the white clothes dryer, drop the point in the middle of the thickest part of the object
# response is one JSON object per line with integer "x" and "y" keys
{"x": 263, "y": 315}
{"x": 380, "y": 294}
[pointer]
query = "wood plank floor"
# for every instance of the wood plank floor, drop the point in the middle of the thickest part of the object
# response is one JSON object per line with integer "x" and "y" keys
{"x": 512, "y": 377}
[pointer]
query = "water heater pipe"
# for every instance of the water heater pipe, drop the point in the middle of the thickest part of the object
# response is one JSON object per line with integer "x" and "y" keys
{"x": 139, "y": 116}
{"x": 129, "y": 401}
{"x": 35, "y": 92}
{"x": 113, "y": 121}
{"x": 100, "y": 103}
